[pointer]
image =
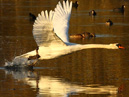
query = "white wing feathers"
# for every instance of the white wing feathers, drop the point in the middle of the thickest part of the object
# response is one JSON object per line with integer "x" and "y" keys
{"x": 41, "y": 25}
{"x": 58, "y": 21}
{"x": 43, "y": 30}
{"x": 61, "y": 20}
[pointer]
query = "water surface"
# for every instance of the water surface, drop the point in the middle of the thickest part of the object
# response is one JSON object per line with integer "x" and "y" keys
{"x": 86, "y": 73}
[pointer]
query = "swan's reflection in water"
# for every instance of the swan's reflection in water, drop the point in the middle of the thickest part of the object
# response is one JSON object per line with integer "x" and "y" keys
{"x": 56, "y": 87}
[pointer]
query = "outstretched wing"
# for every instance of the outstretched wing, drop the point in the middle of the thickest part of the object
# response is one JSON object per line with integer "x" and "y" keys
{"x": 43, "y": 30}
{"x": 61, "y": 20}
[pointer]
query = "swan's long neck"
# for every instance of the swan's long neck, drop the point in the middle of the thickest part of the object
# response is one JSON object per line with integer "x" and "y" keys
{"x": 89, "y": 46}
{"x": 105, "y": 46}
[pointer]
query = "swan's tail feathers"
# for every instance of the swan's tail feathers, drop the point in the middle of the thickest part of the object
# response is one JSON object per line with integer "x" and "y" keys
{"x": 43, "y": 30}
{"x": 61, "y": 20}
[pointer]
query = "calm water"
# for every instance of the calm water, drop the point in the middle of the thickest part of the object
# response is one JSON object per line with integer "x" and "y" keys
{"x": 86, "y": 73}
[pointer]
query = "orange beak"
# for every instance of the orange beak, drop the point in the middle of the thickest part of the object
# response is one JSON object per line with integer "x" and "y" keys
{"x": 121, "y": 47}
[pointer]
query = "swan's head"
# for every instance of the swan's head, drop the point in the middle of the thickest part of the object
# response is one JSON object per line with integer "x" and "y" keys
{"x": 118, "y": 45}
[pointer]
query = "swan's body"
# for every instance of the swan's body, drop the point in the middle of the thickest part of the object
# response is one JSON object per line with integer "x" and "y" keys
{"x": 49, "y": 53}
{"x": 50, "y": 32}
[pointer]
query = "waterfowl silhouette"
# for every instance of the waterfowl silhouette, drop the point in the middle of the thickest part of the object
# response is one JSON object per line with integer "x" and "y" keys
{"x": 50, "y": 32}
{"x": 83, "y": 35}
{"x": 119, "y": 9}
{"x": 92, "y": 13}
{"x": 75, "y": 4}
{"x": 32, "y": 17}
{"x": 109, "y": 22}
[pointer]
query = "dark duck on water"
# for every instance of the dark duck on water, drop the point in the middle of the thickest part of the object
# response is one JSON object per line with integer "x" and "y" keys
{"x": 92, "y": 13}
{"x": 83, "y": 35}
{"x": 75, "y": 4}
{"x": 32, "y": 17}
{"x": 122, "y": 9}
{"x": 109, "y": 22}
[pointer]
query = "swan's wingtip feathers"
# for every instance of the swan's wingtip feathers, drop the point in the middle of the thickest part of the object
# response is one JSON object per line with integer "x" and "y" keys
{"x": 67, "y": 6}
{"x": 61, "y": 19}
{"x": 44, "y": 17}
{"x": 51, "y": 13}
{"x": 46, "y": 14}
{"x": 71, "y": 3}
{"x": 59, "y": 2}
{"x": 42, "y": 13}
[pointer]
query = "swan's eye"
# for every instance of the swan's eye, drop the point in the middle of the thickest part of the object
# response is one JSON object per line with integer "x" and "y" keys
{"x": 118, "y": 44}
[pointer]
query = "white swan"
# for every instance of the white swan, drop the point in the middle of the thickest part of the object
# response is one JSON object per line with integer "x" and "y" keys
{"x": 50, "y": 32}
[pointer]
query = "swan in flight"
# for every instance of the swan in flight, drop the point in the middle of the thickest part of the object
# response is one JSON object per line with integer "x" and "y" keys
{"x": 50, "y": 31}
